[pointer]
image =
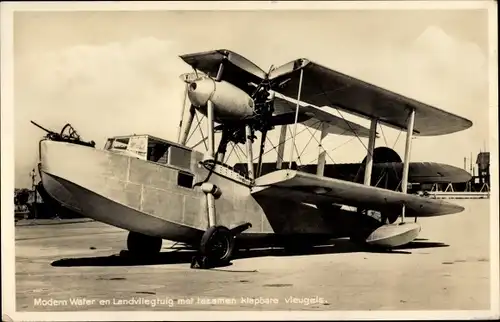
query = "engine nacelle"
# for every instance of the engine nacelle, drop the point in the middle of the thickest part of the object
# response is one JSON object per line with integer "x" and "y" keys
{"x": 230, "y": 102}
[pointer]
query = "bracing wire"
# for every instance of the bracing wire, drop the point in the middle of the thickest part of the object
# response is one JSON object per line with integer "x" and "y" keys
{"x": 349, "y": 125}
{"x": 331, "y": 150}
{"x": 341, "y": 115}
{"x": 241, "y": 150}
{"x": 194, "y": 130}
{"x": 383, "y": 135}
{"x": 295, "y": 146}
{"x": 310, "y": 139}
{"x": 236, "y": 151}
{"x": 287, "y": 139}
{"x": 229, "y": 155}
{"x": 318, "y": 124}
{"x": 201, "y": 131}
{"x": 274, "y": 148}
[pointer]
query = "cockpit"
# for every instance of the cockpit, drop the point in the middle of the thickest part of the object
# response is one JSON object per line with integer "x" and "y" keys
{"x": 147, "y": 147}
{"x": 173, "y": 155}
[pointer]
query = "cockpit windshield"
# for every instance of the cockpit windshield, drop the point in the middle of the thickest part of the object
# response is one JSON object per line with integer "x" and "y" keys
{"x": 132, "y": 146}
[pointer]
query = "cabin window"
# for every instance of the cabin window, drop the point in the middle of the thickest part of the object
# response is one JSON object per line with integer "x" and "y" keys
{"x": 167, "y": 154}
{"x": 120, "y": 144}
{"x": 157, "y": 151}
{"x": 179, "y": 157}
{"x": 185, "y": 179}
{"x": 138, "y": 145}
{"x": 108, "y": 144}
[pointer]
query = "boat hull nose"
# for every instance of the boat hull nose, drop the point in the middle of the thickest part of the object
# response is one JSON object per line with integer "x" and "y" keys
{"x": 56, "y": 190}
{"x": 394, "y": 235}
{"x": 56, "y": 160}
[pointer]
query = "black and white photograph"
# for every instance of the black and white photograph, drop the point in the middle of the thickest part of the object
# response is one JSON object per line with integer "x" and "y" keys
{"x": 249, "y": 160}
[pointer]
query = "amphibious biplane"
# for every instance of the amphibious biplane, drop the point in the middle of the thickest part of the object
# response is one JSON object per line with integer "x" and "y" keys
{"x": 157, "y": 189}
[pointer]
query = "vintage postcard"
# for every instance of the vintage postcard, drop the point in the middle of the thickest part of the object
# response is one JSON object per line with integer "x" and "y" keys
{"x": 249, "y": 160}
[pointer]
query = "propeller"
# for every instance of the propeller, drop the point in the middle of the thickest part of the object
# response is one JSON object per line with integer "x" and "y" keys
{"x": 190, "y": 78}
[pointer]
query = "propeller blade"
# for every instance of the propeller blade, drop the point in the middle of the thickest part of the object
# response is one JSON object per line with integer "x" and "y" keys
{"x": 190, "y": 77}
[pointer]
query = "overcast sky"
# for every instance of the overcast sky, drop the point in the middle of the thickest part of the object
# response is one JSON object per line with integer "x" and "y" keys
{"x": 114, "y": 73}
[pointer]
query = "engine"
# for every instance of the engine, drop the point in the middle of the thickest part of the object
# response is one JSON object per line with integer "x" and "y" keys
{"x": 230, "y": 102}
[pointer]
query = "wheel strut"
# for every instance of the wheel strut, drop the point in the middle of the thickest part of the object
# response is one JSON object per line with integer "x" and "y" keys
{"x": 217, "y": 243}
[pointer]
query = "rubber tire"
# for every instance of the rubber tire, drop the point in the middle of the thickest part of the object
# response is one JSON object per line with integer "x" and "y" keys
{"x": 212, "y": 234}
{"x": 143, "y": 245}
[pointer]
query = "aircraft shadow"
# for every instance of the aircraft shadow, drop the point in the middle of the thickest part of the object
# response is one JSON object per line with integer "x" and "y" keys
{"x": 185, "y": 256}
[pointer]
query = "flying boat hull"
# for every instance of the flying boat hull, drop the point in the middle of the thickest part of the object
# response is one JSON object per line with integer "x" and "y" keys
{"x": 145, "y": 197}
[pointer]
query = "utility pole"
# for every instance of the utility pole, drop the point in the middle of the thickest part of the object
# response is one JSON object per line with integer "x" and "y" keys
{"x": 33, "y": 188}
{"x": 471, "y": 164}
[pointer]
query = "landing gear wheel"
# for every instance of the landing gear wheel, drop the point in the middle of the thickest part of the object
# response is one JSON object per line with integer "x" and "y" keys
{"x": 143, "y": 245}
{"x": 217, "y": 244}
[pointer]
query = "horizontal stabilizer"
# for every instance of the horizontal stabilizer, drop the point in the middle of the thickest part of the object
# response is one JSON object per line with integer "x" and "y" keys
{"x": 310, "y": 188}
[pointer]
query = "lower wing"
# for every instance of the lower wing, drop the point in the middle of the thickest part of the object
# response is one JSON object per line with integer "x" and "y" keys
{"x": 310, "y": 188}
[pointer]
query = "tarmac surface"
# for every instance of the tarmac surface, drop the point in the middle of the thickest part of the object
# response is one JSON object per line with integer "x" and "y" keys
{"x": 71, "y": 265}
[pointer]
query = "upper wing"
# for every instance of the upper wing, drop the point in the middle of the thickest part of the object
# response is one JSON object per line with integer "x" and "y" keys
{"x": 312, "y": 115}
{"x": 238, "y": 70}
{"x": 310, "y": 188}
{"x": 322, "y": 86}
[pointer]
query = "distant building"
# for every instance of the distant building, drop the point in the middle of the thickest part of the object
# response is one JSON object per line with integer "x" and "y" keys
{"x": 480, "y": 181}
{"x": 483, "y": 168}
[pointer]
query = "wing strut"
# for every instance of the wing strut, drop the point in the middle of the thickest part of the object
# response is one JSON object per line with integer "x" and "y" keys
{"x": 185, "y": 134}
{"x": 406, "y": 164}
{"x": 296, "y": 117}
{"x": 209, "y": 189}
{"x": 182, "y": 112}
{"x": 261, "y": 152}
{"x": 210, "y": 117}
{"x": 281, "y": 147}
{"x": 192, "y": 112}
{"x": 320, "y": 170}
{"x": 369, "y": 156}
{"x": 248, "y": 134}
